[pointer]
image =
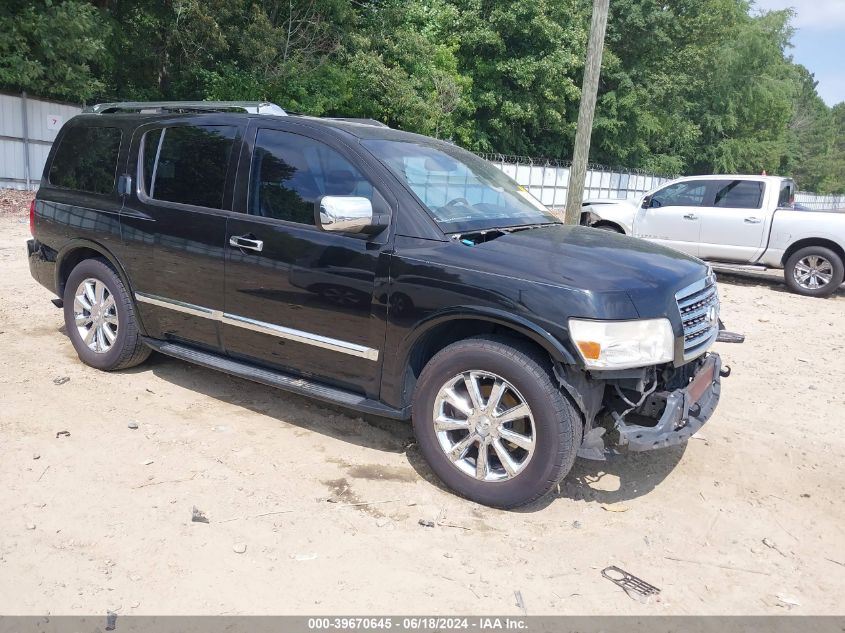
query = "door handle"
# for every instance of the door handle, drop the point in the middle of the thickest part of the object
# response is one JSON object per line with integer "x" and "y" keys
{"x": 690, "y": 216}
{"x": 241, "y": 241}
{"x": 752, "y": 220}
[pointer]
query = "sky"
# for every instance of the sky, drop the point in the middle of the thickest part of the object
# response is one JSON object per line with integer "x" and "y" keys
{"x": 819, "y": 41}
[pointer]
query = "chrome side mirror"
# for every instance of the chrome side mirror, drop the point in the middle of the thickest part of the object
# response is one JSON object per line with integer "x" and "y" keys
{"x": 347, "y": 214}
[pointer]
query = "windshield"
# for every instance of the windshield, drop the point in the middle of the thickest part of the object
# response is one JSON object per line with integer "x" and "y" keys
{"x": 461, "y": 191}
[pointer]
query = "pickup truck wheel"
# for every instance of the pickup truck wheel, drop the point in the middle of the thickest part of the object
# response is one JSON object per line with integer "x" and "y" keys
{"x": 814, "y": 271}
{"x": 100, "y": 318}
{"x": 492, "y": 422}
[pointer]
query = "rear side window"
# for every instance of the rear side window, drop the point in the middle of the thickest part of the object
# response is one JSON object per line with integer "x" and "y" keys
{"x": 86, "y": 159}
{"x": 739, "y": 194}
{"x": 188, "y": 165}
{"x": 786, "y": 198}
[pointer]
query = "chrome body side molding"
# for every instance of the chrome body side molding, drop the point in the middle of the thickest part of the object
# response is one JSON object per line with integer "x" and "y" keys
{"x": 308, "y": 338}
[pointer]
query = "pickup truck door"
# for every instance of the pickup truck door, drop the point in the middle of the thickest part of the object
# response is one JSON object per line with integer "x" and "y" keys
{"x": 173, "y": 225}
{"x": 733, "y": 225}
{"x": 671, "y": 216}
{"x": 298, "y": 298}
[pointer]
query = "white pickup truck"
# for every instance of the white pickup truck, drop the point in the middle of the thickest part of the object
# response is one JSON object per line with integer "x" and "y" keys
{"x": 738, "y": 222}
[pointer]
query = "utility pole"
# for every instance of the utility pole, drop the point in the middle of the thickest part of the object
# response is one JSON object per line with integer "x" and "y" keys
{"x": 589, "y": 91}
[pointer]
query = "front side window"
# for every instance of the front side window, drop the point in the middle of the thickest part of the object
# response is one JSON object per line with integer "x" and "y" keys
{"x": 461, "y": 191}
{"x": 681, "y": 194}
{"x": 290, "y": 172}
{"x": 739, "y": 194}
{"x": 188, "y": 164}
{"x": 86, "y": 159}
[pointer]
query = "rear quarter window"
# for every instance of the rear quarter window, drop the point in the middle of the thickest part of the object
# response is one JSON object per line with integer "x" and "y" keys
{"x": 86, "y": 159}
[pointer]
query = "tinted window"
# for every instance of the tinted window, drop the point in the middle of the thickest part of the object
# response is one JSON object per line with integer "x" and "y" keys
{"x": 786, "y": 197}
{"x": 191, "y": 164}
{"x": 289, "y": 173}
{"x": 681, "y": 194}
{"x": 739, "y": 194}
{"x": 86, "y": 159}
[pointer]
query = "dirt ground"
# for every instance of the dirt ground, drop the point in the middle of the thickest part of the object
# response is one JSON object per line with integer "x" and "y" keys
{"x": 746, "y": 519}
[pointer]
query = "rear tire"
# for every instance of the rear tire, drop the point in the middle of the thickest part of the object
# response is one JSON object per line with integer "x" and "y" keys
{"x": 513, "y": 471}
{"x": 814, "y": 271}
{"x": 100, "y": 318}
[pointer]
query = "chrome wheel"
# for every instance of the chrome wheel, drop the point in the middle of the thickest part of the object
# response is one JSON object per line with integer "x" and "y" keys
{"x": 484, "y": 426}
{"x": 813, "y": 272}
{"x": 95, "y": 315}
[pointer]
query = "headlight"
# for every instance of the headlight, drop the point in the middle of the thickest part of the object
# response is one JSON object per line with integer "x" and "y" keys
{"x": 623, "y": 344}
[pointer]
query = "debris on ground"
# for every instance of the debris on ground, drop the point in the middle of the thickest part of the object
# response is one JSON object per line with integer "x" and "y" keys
{"x": 302, "y": 557}
{"x": 63, "y": 434}
{"x": 198, "y": 516}
{"x": 111, "y": 620}
{"x": 132, "y": 424}
{"x": 426, "y": 523}
{"x": 30, "y": 526}
{"x": 14, "y": 202}
{"x": 771, "y": 545}
{"x": 520, "y": 602}
{"x": 787, "y": 601}
{"x": 239, "y": 548}
{"x": 615, "y": 507}
{"x": 60, "y": 380}
{"x": 636, "y": 588}
{"x": 36, "y": 456}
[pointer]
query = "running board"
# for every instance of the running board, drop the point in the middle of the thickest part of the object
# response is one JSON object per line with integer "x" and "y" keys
{"x": 286, "y": 382}
{"x": 744, "y": 268}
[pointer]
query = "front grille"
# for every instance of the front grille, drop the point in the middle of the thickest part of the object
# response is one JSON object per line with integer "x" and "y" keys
{"x": 699, "y": 308}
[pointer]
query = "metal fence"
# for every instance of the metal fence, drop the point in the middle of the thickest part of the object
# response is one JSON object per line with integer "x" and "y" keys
{"x": 28, "y": 128}
{"x": 548, "y": 179}
{"x": 817, "y": 201}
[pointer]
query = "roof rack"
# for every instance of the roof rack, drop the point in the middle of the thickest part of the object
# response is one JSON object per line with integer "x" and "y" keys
{"x": 373, "y": 122}
{"x": 251, "y": 107}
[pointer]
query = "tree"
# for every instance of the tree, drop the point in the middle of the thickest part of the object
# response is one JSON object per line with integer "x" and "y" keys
{"x": 48, "y": 48}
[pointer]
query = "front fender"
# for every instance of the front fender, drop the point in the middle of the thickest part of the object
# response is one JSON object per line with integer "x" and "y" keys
{"x": 529, "y": 329}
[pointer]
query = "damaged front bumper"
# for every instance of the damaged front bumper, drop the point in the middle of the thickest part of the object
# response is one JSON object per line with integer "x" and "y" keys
{"x": 665, "y": 408}
{"x": 686, "y": 410}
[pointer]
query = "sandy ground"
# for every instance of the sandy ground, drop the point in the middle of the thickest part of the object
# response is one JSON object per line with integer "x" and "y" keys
{"x": 746, "y": 519}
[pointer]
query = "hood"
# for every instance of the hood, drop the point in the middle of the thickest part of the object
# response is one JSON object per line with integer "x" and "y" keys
{"x": 593, "y": 261}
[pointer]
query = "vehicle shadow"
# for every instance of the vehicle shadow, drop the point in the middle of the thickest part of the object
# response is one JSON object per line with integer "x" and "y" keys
{"x": 772, "y": 282}
{"x": 287, "y": 408}
{"x": 620, "y": 478}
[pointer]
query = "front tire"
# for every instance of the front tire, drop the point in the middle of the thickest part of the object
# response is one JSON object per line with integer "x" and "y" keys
{"x": 814, "y": 271}
{"x": 492, "y": 422}
{"x": 100, "y": 318}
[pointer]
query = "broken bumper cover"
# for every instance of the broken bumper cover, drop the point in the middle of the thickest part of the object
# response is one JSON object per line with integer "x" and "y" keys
{"x": 686, "y": 411}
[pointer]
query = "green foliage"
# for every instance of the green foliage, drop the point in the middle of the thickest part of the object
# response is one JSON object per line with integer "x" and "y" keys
{"x": 47, "y": 47}
{"x": 688, "y": 86}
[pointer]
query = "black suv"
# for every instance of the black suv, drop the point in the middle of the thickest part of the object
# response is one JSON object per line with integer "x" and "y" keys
{"x": 387, "y": 272}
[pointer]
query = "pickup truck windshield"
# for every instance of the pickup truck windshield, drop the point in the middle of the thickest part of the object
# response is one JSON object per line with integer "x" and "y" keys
{"x": 461, "y": 191}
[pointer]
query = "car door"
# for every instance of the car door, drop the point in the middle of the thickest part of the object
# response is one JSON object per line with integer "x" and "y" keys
{"x": 299, "y": 298}
{"x": 671, "y": 215}
{"x": 733, "y": 225}
{"x": 173, "y": 226}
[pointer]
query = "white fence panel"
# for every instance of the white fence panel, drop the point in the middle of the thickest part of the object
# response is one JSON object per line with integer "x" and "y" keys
{"x": 28, "y": 128}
